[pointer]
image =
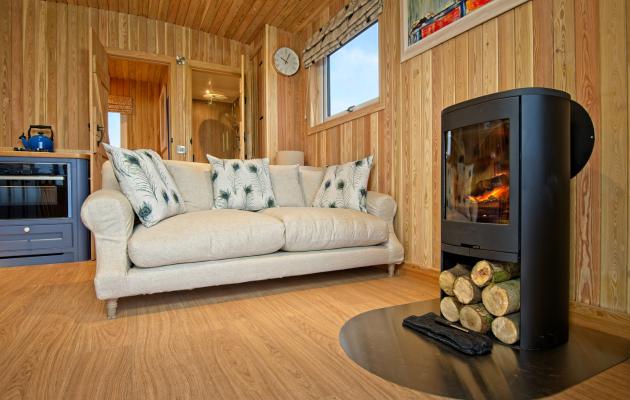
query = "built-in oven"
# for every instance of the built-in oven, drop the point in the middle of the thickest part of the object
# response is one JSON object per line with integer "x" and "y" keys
{"x": 34, "y": 190}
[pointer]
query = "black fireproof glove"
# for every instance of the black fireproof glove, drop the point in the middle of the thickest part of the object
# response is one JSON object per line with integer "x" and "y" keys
{"x": 471, "y": 343}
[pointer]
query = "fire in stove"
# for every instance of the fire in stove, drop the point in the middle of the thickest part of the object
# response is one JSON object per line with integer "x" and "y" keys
{"x": 489, "y": 201}
{"x": 496, "y": 188}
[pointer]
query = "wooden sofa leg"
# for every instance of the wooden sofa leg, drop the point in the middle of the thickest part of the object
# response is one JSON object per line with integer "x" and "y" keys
{"x": 392, "y": 270}
{"x": 112, "y": 304}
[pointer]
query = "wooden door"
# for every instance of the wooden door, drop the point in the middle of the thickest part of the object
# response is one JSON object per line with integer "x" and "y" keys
{"x": 98, "y": 99}
{"x": 241, "y": 122}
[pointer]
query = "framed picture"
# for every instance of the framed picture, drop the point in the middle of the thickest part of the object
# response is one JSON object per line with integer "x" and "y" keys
{"x": 427, "y": 23}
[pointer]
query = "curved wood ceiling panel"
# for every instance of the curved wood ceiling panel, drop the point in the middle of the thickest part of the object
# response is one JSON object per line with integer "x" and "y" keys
{"x": 239, "y": 20}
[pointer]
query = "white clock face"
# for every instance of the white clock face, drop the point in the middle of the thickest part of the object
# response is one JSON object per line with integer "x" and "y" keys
{"x": 286, "y": 61}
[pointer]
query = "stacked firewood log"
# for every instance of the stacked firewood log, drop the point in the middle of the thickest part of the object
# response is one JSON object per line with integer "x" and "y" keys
{"x": 486, "y": 298}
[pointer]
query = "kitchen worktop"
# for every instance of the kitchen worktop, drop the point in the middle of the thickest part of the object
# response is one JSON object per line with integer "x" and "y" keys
{"x": 41, "y": 154}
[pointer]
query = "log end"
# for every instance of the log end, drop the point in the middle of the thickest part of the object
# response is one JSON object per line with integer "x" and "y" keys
{"x": 450, "y": 307}
{"x": 481, "y": 273}
{"x": 476, "y": 318}
{"x": 506, "y": 329}
{"x": 465, "y": 291}
{"x": 446, "y": 280}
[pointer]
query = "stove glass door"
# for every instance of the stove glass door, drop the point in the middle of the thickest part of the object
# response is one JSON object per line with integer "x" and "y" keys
{"x": 477, "y": 173}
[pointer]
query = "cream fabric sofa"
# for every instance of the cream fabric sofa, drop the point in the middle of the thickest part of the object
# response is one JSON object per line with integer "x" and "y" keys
{"x": 206, "y": 247}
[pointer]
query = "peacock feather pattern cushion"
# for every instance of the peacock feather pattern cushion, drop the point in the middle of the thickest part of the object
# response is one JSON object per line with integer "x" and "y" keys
{"x": 242, "y": 184}
{"x": 146, "y": 183}
{"x": 345, "y": 185}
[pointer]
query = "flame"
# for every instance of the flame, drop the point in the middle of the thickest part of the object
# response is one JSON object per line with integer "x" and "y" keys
{"x": 495, "y": 194}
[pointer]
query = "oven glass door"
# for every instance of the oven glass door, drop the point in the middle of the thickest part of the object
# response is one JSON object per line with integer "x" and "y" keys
{"x": 34, "y": 190}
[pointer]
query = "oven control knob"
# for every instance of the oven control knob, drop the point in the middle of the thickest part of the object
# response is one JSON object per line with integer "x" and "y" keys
{"x": 27, "y": 229}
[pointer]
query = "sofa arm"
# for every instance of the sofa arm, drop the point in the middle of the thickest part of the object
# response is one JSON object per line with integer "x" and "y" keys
{"x": 381, "y": 205}
{"x": 108, "y": 214}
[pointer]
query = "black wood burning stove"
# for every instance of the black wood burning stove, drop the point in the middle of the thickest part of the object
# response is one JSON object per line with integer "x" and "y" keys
{"x": 507, "y": 161}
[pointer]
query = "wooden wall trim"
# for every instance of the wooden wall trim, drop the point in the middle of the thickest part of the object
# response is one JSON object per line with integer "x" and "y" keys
{"x": 615, "y": 323}
{"x": 215, "y": 68}
{"x": 140, "y": 56}
{"x": 351, "y": 116}
{"x": 271, "y": 94}
{"x": 458, "y": 27}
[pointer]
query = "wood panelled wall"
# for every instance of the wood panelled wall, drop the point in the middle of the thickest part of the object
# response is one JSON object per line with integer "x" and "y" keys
{"x": 143, "y": 125}
{"x": 44, "y": 63}
{"x": 278, "y": 106}
{"x": 580, "y": 46}
{"x": 369, "y": 134}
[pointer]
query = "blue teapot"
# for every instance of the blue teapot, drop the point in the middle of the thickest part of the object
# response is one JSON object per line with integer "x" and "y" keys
{"x": 39, "y": 141}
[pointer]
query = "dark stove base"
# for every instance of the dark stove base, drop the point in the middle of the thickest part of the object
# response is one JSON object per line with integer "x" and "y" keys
{"x": 377, "y": 341}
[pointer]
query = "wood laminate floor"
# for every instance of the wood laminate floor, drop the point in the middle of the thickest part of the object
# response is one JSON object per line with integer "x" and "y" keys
{"x": 261, "y": 340}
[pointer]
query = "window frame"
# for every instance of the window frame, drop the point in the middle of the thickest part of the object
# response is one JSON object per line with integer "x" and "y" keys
{"x": 366, "y": 106}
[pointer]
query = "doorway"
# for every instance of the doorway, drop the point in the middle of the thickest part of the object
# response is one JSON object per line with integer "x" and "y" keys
{"x": 216, "y": 114}
{"x": 138, "y": 105}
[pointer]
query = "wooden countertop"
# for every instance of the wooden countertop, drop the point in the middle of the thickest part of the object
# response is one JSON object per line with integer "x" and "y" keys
{"x": 40, "y": 154}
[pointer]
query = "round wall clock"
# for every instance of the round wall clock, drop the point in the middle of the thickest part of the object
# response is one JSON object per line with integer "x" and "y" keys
{"x": 286, "y": 61}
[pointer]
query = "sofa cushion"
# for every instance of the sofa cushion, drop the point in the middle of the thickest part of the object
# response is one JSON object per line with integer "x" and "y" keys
{"x": 241, "y": 184}
{"x": 328, "y": 228}
{"x": 205, "y": 236}
{"x": 311, "y": 179}
{"x": 285, "y": 180}
{"x": 345, "y": 185}
{"x": 146, "y": 183}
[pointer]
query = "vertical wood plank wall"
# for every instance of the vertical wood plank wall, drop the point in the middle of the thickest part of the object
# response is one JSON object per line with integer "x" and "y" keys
{"x": 579, "y": 46}
{"x": 143, "y": 125}
{"x": 370, "y": 134}
{"x": 277, "y": 106}
{"x": 44, "y": 63}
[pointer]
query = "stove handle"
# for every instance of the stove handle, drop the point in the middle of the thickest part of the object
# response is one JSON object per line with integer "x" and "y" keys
{"x": 449, "y": 137}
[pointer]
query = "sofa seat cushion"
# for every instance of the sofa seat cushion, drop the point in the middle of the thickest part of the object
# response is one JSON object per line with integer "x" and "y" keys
{"x": 308, "y": 228}
{"x": 205, "y": 236}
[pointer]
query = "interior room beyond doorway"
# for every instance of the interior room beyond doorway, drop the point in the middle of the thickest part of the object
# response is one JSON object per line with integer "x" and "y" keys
{"x": 138, "y": 105}
{"x": 216, "y": 115}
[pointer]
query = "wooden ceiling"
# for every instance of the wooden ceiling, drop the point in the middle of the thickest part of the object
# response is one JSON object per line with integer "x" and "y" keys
{"x": 137, "y": 70}
{"x": 218, "y": 87}
{"x": 234, "y": 19}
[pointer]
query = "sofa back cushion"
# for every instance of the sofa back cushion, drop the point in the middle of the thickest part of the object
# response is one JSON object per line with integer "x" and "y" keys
{"x": 109, "y": 181}
{"x": 285, "y": 180}
{"x": 194, "y": 182}
{"x": 311, "y": 179}
{"x": 192, "y": 179}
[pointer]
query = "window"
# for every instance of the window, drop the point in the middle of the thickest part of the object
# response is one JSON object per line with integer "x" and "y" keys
{"x": 352, "y": 73}
{"x": 114, "y": 128}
